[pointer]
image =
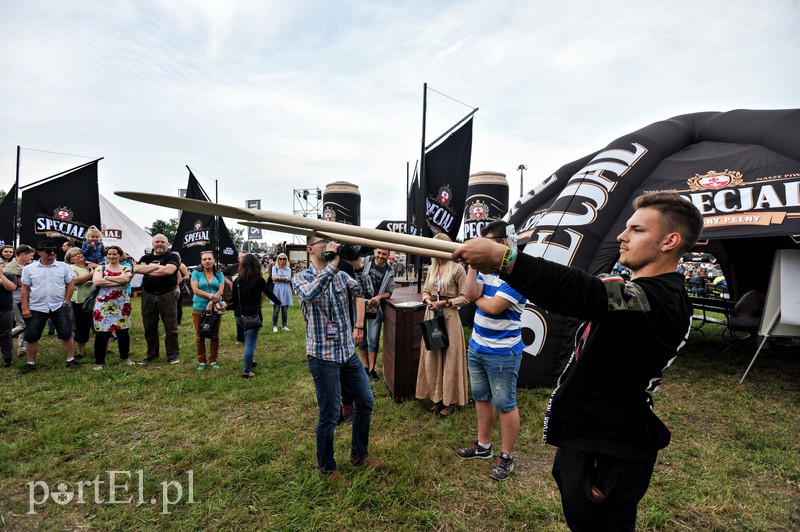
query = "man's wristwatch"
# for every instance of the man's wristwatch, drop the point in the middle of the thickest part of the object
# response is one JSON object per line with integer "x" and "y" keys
{"x": 64, "y": 303}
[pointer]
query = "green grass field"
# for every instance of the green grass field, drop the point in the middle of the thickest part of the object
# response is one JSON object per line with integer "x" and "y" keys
{"x": 734, "y": 461}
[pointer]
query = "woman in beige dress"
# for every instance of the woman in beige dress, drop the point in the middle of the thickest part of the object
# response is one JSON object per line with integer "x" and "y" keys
{"x": 442, "y": 375}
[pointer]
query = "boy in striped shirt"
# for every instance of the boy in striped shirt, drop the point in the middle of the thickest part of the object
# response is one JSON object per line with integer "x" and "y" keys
{"x": 493, "y": 358}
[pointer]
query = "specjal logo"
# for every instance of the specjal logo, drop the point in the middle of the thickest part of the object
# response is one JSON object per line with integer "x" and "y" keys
{"x": 60, "y": 225}
{"x": 198, "y": 237}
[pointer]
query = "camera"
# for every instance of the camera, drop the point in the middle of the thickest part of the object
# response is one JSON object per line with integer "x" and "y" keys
{"x": 347, "y": 252}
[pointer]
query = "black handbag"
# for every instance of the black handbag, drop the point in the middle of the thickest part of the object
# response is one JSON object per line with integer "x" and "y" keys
{"x": 250, "y": 322}
{"x": 434, "y": 332}
{"x": 247, "y": 322}
{"x": 88, "y": 304}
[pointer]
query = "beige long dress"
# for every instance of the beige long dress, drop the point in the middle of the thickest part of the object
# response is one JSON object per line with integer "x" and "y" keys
{"x": 442, "y": 375}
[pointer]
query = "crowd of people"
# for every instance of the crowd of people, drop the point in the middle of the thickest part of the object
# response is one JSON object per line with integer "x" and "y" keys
{"x": 600, "y": 416}
{"x": 91, "y": 289}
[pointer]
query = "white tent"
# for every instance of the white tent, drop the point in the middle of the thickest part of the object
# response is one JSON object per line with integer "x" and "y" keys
{"x": 120, "y": 230}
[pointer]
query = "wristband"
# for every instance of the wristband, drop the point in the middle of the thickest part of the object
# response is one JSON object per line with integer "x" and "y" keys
{"x": 359, "y": 328}
{"x": 508, "y": 258}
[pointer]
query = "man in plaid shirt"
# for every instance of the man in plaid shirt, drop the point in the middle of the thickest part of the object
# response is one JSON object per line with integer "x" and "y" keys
{"x": 330, "y": 345}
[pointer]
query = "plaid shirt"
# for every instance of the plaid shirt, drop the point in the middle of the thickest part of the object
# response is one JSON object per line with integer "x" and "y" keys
{"x": 324, "y": 296}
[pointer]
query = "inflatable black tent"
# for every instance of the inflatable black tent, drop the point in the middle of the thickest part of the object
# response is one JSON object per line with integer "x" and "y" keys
{"x": 740, "y": 168}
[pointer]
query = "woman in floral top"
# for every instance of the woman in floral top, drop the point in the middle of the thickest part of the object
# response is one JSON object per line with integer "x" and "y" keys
{"x": 112, "y": 307}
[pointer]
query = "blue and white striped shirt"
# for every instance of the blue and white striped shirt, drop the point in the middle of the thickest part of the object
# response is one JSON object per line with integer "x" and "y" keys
{"x": 324, "y": 297}
{"x": 500, "y": 333}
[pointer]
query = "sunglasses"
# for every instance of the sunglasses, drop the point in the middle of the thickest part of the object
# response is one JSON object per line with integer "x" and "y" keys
{"x": 320, "y": 242}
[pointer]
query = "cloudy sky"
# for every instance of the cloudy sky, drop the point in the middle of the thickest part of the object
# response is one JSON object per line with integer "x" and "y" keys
{"x": 268, "y": 96}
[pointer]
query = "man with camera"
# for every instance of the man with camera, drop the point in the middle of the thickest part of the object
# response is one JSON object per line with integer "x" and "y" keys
{"x": 382, "y": 277}
{"x": 600, "y": 415}
{"x": 324, "y": 292}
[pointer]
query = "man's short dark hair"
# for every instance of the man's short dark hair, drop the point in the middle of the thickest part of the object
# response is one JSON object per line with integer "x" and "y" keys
{"x": 680, "y": 215}
{"x": 23, "y": 248}
{"x": 494, "y": 228}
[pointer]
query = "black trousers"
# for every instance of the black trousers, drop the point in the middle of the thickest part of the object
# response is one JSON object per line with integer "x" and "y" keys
{"x": 622, "y": 482}
{"x": 101, "y": 345}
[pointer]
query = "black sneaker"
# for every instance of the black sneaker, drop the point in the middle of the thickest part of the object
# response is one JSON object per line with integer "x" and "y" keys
{"x": 504, "y": 467}
{"x": 174, "y": 360}
{"x": 27, "y": 368}
{"x": 373, "y": 375}
{"x": 148, "y": 360}
{"x": 78, "y": 356}
{"x": 8, "y": 363}
{"x": 73, "y": 364}
{"x": 474, "y": 451}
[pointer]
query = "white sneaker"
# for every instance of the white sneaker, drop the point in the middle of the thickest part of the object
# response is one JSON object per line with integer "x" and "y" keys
{"x": 274, "y": 329}
{"x": 286, "y": 328}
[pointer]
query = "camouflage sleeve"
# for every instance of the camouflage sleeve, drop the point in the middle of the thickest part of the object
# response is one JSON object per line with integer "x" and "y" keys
{"x": 624, "y": 295}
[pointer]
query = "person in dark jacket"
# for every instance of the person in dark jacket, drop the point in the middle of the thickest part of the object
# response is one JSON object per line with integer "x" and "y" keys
{"x": 600, "y": 415}
{"x": 248, "y": 288}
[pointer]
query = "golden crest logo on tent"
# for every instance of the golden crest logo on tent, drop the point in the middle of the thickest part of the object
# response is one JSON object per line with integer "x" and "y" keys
{"x": 715, "y": 180}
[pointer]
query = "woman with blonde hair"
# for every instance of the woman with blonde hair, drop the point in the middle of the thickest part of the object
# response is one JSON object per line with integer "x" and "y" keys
{"x": 83, "y": 286}
{"x": 442, "y": 375}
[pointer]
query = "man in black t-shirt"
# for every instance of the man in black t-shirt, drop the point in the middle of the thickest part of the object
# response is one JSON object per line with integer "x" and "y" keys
{"x": 159, "y": 285}
{"x": 600, "y": 415}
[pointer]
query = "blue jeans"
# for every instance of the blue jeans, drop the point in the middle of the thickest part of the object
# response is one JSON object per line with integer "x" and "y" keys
{"x": 284, "y": 309}
{"x": 494, "y": 377}
{"x": 328, "y": 378}
{"x": 372, "y": 340}
{"x": 250, "y": 340}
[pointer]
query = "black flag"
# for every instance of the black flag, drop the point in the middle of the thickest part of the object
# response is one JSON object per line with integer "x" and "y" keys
{"x": 61, "y": 208}
{"x": 7, "y": 208}
{"x": 196, "y": 232}
{"x": 446, "y": 177}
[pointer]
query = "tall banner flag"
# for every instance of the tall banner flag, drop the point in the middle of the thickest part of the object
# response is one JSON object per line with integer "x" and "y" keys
{"x": 446, "y": 176}
{"x": 253, "y": 233}
{"x": 62, "y": 207}
{"x": 341, "y": 202}
{"x": 196, "y": 232}
{"x": 487, "y": 200}
{"x": 7, "y": 209}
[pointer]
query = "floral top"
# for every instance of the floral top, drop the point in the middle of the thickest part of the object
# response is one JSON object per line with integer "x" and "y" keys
{"x": 112, "y": 308}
